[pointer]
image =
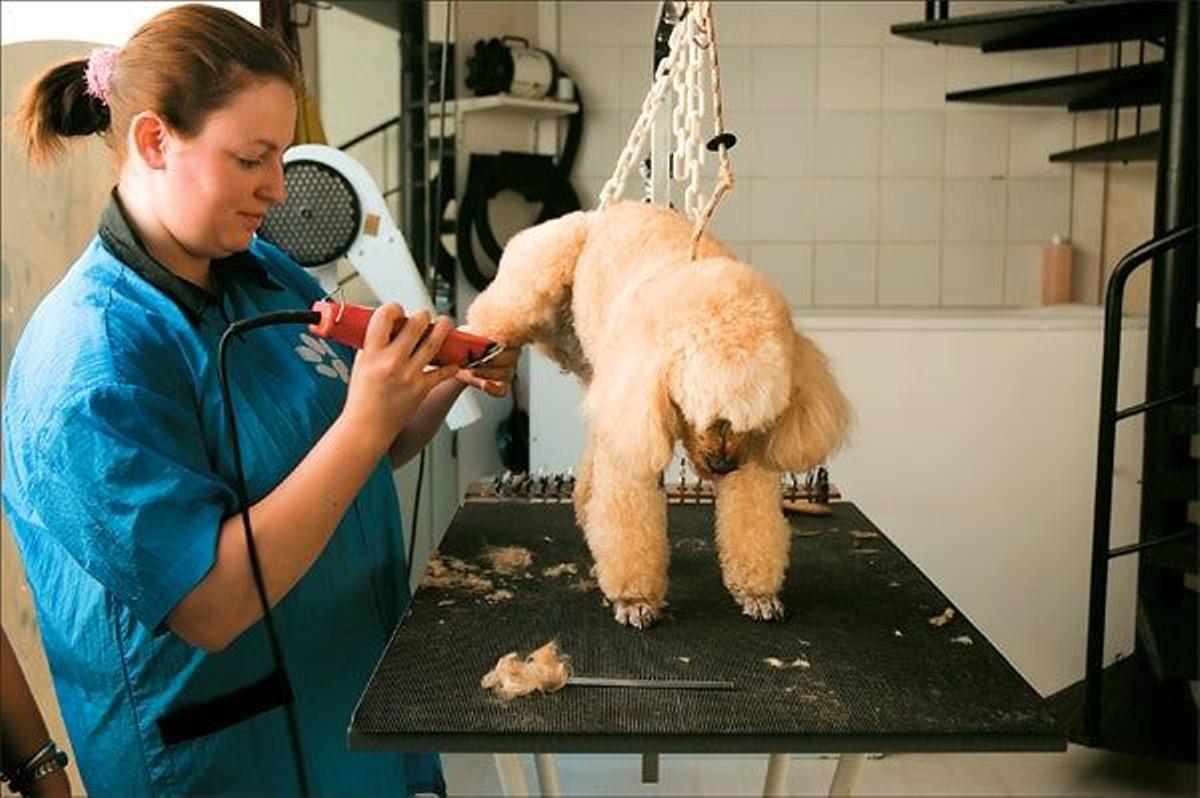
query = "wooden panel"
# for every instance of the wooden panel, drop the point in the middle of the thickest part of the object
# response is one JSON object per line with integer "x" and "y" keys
{"x": 48, "y": 216}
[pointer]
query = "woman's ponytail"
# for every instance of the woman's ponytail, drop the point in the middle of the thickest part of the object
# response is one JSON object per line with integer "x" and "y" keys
{"x": 182, "y": 64}
{"x": 57, "y": 106}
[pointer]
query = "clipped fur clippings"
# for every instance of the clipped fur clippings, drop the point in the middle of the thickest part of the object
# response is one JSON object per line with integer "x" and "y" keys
{"x": 453, "y": 573}
{"x": 545, "y": 670}
{"x": 509, "y": 559}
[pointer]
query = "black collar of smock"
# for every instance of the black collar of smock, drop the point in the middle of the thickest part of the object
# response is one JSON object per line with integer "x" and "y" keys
{"x": 119, "y": 238}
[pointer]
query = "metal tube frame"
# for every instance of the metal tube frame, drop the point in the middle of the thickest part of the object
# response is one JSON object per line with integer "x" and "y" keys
{"x": 1105, "y": 448}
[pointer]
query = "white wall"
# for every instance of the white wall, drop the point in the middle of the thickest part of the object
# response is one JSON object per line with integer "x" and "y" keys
{"x": 857, "y": 184}
{"x": 974, "y": 451}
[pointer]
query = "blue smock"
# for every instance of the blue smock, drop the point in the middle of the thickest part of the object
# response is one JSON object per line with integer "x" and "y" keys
{"x": 118, "y": 473}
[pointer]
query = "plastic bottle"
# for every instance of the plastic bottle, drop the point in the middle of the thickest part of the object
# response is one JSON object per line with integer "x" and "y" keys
{"x": 1056, "y": 272}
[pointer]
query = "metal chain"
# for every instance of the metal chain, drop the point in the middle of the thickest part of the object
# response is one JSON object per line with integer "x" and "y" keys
{"x": 641, "y": 128}
{"x": 680, "y": 73}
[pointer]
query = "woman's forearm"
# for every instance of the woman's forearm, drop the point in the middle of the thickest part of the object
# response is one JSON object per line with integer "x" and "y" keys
{"x": 22, "y": 728}
{"x": 291, "y": 526}
{"x": 425, "y": 423}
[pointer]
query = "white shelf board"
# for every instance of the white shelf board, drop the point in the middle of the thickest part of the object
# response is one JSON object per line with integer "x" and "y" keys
{"x": 505, "y": 103}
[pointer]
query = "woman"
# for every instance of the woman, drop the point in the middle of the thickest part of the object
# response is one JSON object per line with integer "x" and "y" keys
{"x": 118, "y": 472}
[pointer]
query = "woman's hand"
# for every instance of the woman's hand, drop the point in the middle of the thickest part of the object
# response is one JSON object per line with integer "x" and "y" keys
{"x": 494, "y": 376}
{"x": 391, "y": 374}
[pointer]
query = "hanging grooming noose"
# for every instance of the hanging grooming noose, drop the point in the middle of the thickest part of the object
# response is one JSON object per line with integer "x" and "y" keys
{"x": 694, "y": 36}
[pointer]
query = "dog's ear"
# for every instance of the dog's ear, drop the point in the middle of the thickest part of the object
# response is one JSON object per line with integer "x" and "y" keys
{"x": 533, "y": 281}
{"x": 815, "y": 421}
{"x": 629, "y": 412}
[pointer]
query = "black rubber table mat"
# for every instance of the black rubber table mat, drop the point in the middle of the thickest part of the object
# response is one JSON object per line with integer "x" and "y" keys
{"x": 874, "y": 674}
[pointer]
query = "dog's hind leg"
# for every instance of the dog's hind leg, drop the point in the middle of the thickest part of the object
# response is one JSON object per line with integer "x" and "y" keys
{"x": 752, "y": 539}
{"x": 626, "y": 531}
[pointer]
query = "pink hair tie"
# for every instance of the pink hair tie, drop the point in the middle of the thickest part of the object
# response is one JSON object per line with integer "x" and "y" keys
{"x": 99, "y": 71}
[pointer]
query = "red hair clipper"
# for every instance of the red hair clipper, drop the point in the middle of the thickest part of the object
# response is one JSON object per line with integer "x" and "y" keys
{"x": 347, "y": 324}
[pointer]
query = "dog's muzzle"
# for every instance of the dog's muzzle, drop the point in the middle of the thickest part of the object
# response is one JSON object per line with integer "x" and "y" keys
{"x": 721, "y": 465}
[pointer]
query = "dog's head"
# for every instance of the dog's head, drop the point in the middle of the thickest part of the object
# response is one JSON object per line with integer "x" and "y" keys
{"x": 804, "y": 433}
{"x": 729, "y": 376}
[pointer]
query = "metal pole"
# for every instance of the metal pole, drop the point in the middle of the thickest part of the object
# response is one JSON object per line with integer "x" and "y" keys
{"x": 775, "y": 783}
{"x": 1172, "y": 336}
{"x": 1102, "y": 509}
{"x": 413, "y": 85}
{"x": 512, "y": 775}
{"x": 1171, "y": 344}
{"x": 845, "y": 778}
{"x": 547, "y": 773}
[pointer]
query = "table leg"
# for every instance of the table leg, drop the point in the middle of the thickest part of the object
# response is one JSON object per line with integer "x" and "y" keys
{"x": 778, "y": 766}
{"x": 845, "y": 778}
{"x": 547, "y": 773}
{"x": 512, "y": 777}
{"x": 649, "y": 768}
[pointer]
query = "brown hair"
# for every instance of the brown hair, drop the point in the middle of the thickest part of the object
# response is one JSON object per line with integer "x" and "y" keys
{"x": 183, "y": 64}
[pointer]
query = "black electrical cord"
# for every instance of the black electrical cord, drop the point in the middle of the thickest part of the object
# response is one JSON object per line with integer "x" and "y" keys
{"x": 236, "y": 329}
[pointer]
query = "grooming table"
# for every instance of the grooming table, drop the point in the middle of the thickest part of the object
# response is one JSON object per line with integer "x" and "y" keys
{"x": 864, "y": 669}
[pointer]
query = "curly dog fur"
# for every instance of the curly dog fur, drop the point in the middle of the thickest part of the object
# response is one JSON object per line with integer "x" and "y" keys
{"x": 667, "y": 349}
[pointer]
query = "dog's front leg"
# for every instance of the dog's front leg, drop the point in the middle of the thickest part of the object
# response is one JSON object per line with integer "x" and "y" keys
{"x": 532, "y": 288}
{"x": 752, "y": 539}
{"x": 626, "y": 530}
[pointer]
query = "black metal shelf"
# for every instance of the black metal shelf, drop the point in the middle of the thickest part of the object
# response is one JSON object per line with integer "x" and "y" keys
{"x": 1087, "y": 91}
{"x": 1167, "y": 630}
{"x": 387, "y": 14}
{"x": 1179, "y": 555}
{"x": 1142, "y": 147}
{"x": 1062, "y": 25}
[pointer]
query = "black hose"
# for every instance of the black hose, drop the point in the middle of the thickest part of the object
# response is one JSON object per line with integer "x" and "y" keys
{"x": 236, "y": 329}
{"x": 534, "y": 177}
{"x": 537, "y": 178}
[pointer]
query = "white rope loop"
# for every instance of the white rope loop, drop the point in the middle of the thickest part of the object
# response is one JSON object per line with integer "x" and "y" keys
{"x": 725, "y": 167}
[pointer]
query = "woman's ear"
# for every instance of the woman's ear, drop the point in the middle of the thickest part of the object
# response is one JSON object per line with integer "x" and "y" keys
{"x": 148, "y": 135}
{"x": 814, "y": 424}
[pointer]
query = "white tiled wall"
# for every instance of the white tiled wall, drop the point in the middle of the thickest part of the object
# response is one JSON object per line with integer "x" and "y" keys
{"x": 857, "y": 184}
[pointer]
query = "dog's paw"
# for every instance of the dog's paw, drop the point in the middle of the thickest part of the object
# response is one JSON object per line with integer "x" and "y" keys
{"x": 760, "y": 608}
{"x": 638, "y": 614}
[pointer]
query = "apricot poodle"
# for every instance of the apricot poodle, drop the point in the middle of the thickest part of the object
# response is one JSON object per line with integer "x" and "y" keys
{"x": 666, "y": 349}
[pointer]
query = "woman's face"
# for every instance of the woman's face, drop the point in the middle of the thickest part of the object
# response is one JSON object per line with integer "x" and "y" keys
{"x": 221, "y": 182}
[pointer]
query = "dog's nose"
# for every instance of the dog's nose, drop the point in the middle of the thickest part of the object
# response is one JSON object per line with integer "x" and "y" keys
{"x": 722, "y": 464}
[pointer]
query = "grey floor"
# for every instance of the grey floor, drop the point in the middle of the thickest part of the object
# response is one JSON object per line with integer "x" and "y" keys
{"x": 1078, "y": 772}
